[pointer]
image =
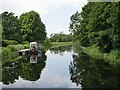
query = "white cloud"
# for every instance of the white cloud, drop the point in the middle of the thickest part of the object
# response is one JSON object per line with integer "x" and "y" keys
{"x": 47, "y": 9}
{"x": 74, "y": 3}
{"x": 48, "y": 79}
{"x": 41, "y": 6}
{"x": 55, "y": 80}
{"x": 21, "y": 6}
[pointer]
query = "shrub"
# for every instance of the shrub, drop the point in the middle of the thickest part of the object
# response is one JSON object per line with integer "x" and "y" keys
{"x": 25, "y": 42}
{"x": 5, "y": 52}
{"x": 26, "y": 46}
{"x": 8, "y": 42}
{"x": 18, "y": 47}
{"x": 10, "y": 50}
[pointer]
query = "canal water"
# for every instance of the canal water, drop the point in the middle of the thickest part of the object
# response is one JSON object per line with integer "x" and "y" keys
{"x": 60, "y": 67}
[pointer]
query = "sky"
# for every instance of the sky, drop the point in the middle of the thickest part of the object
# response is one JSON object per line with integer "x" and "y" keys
{"x": 55, "y": 14}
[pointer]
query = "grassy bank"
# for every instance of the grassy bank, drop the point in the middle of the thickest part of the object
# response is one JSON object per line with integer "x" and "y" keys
{"x": 10, "y": 53}
{"x": 11, "y": 50}
{"x": 111, "y": 57}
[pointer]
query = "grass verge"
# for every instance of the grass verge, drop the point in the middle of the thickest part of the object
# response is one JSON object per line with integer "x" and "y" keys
{"x": 113, "y": 57}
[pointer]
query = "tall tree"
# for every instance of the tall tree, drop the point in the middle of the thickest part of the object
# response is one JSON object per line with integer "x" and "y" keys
{"x": 33, "y": 28}
{"x": 78, "y": 25}
{"x": 98, "y": 24}
{"x": 10, "y": 26}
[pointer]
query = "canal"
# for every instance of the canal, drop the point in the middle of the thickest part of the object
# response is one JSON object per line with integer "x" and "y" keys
{"x": 60, "y": 67}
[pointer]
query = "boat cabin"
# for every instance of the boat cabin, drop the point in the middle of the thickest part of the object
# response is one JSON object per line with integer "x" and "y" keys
{"x": 33, "y": 45}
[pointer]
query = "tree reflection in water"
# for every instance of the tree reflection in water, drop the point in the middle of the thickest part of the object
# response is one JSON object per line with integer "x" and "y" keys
{"x": 93, "y": 73}
{"x": 61, "y": 50}
{"x": 23, "y": 68}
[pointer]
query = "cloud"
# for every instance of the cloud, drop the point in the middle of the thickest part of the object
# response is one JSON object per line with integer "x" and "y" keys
{"x": 74, "y": 3}
{"x": 41, "y": 6}
{"x": 55, "y": 14}
{"x": 55, "y": 80}
{"x": 48, "y": 79}
{"x": 21, "y": 6}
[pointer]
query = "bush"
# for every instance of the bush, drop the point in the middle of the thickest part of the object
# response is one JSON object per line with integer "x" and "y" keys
{"x": 5, "y": 52}
{"x": 26, "y": 46}
{"x": 19, "y": 47}
{"x": 25, "y": 42}
{"x": 10, "y": 50}
{"x": 8, "y": 42}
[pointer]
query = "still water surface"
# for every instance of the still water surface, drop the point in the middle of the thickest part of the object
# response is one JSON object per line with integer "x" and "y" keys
{"x": 50, "y": 71}
{"x": 60, "y": 68}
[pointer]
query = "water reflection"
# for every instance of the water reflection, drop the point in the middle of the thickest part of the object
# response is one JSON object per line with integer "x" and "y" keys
{"x": 54, "y": 75}
{"x": 83, "y": 71}
{"x": 34, "y": 57}
{"x": 29, "y": 68}
{"x": 61, "y": 50}
{"x": 93, "y": 73}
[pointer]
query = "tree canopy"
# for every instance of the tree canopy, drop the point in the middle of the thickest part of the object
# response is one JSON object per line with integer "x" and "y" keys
{"x": 32, "y": 28}
{"x": 10, "y": 27}
{"x": 60, "y": 37}
{"x": 97, "y": 24}
{"x": 28, "y": 27}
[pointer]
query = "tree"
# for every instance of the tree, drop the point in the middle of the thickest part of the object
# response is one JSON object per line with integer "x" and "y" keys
{"x": 98, "y": 24}
{"x": 89, "y": 72}
{"x": 24, "y": 69}
{"x": 32, "y": 27}
{"x": 60, "y": 37}
{"x": 78, "y": 25}
{"x": 10, "y": 27}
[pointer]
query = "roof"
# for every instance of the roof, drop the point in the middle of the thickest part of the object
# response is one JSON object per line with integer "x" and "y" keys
{"x": 33, "y": 42}
{"x": 24, "y": 50}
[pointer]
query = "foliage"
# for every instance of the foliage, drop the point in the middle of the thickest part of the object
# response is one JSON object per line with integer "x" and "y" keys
{"x": 46, "y": 46}
{"x": 11, "y": 50}
{"x": 60, "y": 37}
{"x": 23, "y": 68}
{"x": 113, "y": 56}
{"x": 47, "y": 40}
{"x": 10, "y": 27}
{"x": 92, "y": 73}
{"x": 98, "y": 23}
{"x": 25, "y": 42}
{"x": 29, "y": 71}
{"x": 28, "y": 27}
{"x": 8, "y": 42}
{"x": 60, "y": 50}
{"x": 32, "y": 28}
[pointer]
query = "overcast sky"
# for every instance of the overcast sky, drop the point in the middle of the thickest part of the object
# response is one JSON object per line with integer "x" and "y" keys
{"x": 55, "y": 14}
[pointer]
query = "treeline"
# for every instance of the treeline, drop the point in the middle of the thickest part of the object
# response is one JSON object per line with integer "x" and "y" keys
{"x": 60, "y": 37}
{"x": 97, "y": 24}
{"x": 28, "y": 27}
